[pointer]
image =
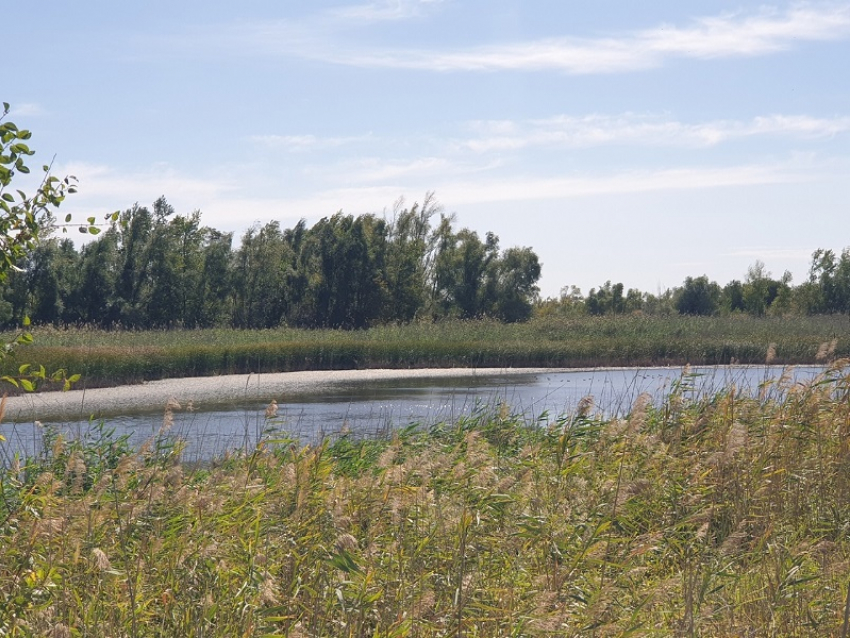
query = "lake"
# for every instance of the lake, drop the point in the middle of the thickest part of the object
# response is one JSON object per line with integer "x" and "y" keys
{"x": 372, "y": 407}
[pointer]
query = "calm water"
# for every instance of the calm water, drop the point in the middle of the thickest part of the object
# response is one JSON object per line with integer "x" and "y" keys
{"x": 375, "y": 407}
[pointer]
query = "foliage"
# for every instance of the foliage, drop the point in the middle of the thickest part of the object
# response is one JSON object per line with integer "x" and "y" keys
{"x": 827, "y": 291}
{"x": 720, "y": 515}
{"x": 23, "y": 222}
{"x": 698, "y": 297}
{"x": 156, "y": 269}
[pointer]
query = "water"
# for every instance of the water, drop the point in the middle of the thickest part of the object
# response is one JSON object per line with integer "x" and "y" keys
{"x": 371, "y": 407}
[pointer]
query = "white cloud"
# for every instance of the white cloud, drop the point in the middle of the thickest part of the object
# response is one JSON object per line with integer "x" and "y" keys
{"x": 27, "y": 109}
{"x": 596, "y": 130}
{"x": 731, "y": 35}
{"x": 382, "y": 11}
{"x": 535, "y": 188}
{"x": 320, "y": 37}
{"x": 478, "y": 189}
{"x": 141, "y": 186}
{"x": 306, "y": 142}
{"x": 379, "y": 170}
{"x": 766, "y": 253}
{"x": 103, "y": 189}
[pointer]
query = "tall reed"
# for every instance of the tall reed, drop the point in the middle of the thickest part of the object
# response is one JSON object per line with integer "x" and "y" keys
{"x": 723, "y": 515}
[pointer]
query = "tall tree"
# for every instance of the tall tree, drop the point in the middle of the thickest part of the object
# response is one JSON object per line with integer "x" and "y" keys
{"x": 259, "y": 277}
{"x": 407, "y": 259}
{"x": 518, "y": 272}
{"x": 345, "y": 258}
{"x": 698, "y": 296}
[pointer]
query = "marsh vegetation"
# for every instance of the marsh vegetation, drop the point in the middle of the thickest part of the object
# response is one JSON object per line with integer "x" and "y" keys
{"x": 718, "y": 517}
{"x": 105, "y": 357}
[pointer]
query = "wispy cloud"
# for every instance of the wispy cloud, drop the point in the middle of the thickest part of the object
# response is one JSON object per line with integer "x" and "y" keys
{"x": 769, "y": 253}
{"x": 99, "y": 180}
{"x": 103, "y": 189}
{"x": 729, "y": 35}
{"x": 317, "y": 36}
{"x": 27, "y": 109}
{"x": 486, "y": 188}
{"x": 535, "y": 188}
{"x": 323, "y": 36}
{"x": 628, "y": 128}
{"x": 306, "y": 142}
{"x": 385, "y": 10}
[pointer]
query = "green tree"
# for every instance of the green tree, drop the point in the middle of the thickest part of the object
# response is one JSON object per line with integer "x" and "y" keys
{"x": 407, "y": 260}
{"x": 134, "y": 231}
{"x": 95, "y": 297}
{"x": 698, "y": 296}
{"x": 216, "y": 279}
{"x": 345, "y": 261}
{"x": 732, "y": 297}
{"x": 518, "y": 273}
{"x": 259, "y": 277}
{"x": 608, "y": 299}
{"x": 464, "y": 272}
{"x": 757, "y": 289}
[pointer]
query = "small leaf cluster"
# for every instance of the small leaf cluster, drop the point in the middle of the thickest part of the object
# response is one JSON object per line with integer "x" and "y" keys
{"x": 24, "y": 220}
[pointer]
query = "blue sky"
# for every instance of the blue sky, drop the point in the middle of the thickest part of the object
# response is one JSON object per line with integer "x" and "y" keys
{"x": 637, "y": 142}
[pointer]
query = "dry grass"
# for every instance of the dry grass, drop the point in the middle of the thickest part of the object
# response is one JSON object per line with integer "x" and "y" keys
{"x": 724, "y": 517}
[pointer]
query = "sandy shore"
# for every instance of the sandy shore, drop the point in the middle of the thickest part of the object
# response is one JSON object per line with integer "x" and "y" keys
{"x": 210, "y": 392}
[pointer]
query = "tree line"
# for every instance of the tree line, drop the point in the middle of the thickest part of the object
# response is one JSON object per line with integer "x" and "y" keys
{"x": 825, "y": 291}
{"x": 153, "y": 268}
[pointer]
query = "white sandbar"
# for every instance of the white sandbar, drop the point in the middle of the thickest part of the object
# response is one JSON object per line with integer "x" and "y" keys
{"x": 210, "y": 392}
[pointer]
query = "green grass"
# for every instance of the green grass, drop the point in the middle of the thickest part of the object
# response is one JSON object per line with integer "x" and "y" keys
{"x": 724, "y": 516}
{"x": 116, "y": 357}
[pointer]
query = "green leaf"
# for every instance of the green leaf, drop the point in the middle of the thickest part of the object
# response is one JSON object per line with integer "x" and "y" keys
{"x": 26, "y": 321}
{"x": 94, "y": 230}
{"x": 67, "y": 218}
{"x": 344, "y": 562}
{"x": 27, "y": 385}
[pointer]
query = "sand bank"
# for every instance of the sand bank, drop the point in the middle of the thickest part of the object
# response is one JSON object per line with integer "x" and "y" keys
{"x": 211, "y": 392}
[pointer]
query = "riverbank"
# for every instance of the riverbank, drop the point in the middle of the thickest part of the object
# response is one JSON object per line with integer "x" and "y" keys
{"x": 205, "y": 393}
{"x": 112, "y": 358}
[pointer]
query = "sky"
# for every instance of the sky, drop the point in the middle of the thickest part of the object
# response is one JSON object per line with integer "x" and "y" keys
{"x": 634, "y": 142}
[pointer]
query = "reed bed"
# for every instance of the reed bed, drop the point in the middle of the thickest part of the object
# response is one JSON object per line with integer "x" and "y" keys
{"x": 725, "y": 515}
{"x": 106, "y": 358}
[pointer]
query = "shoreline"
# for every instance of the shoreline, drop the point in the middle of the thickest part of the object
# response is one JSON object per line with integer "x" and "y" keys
{"x": 216, "y": 391}
{"x": 205, "y": 393}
